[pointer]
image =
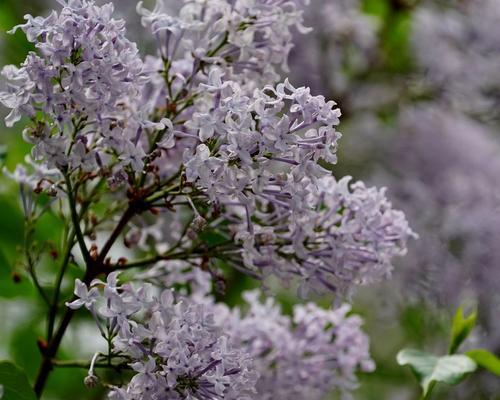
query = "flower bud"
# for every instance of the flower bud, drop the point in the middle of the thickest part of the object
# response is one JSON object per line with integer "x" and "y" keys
{"x": 91, "y": 381}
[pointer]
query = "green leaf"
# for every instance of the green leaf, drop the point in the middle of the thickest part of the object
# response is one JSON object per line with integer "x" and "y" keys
{"x": 15, "y": 383}
{"x": 461, "y": 328}
{"x": 430, "y": 369}
{"x": 485, "y": 359}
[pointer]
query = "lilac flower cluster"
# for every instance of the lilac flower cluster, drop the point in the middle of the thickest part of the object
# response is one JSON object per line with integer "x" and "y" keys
{"x": 176, "y": 348}
{"x": 265, "y": 165}
{"x": 259, "y": 155}
{"x": 83, "y": 79}
{"x": 254, "y": 138}
{"x": 195, "y": 142}
{"x": 177, "y": 352}
{"x": 248, "y": 39}
{"x": 338, "y": 235}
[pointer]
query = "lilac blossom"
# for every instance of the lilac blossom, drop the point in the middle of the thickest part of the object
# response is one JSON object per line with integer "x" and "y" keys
{"x": 174, "y": 345}
{"x": 251, "y": 38}
{"x": 176, "y": 350}
{"x": 338, "y": 235}
{"x": 84, "y": 77}
{"x": 201, "y": 139}
{"x": 262, "y": 157}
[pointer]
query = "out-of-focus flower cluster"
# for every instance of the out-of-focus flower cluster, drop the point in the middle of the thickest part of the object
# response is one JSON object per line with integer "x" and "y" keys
{"x": 454, "y": 193}
{"x": 340, "y": 50}
{"x": 446, "y": 153}
{"x": 462, "y": 65}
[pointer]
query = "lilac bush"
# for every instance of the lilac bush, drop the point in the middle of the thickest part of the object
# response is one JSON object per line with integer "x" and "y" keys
{"x": 197, "y": 158}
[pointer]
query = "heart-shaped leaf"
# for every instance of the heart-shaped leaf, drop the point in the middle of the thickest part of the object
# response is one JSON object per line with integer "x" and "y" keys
{"x": 14, "y": 383}
{"x": 430, "y": 369}
{"x": 485, "y": 359}
{"x": 461, "y": 328}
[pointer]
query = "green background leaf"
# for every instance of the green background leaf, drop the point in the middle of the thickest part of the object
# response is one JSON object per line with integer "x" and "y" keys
{"x": 485, "y": 359}
{"x": 15, "y": 383}
{"x": 461, "y": 328}
{"x": 429, "y": 368}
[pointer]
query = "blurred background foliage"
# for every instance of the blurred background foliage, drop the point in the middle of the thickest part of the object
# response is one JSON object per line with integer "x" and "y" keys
{"x": 392, "y": 322}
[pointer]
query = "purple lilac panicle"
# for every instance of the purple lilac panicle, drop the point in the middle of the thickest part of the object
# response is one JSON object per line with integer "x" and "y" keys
{"x": 279, "y": 357}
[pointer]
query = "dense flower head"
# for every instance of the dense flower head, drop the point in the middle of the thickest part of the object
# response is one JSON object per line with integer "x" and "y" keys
{"x": 257, "y": 158}
{"x": 84, "y": 66}
{"x": 253, "y": 137}
{"x": 78, "y": 89}
{"x": 336, "y": 236}
{"x": 294, "y": 219}
{"x": 175, "y": 345}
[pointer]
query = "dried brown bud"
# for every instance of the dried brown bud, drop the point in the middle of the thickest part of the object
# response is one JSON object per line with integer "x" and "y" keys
{"x": 122, "y": 261}
{"x": 93, "y": 219}
{"x": 91, "y": 381}
{"x": 16, "y": 277}
{"x": 42, "y": 345}
{"x": 93, "y": 252}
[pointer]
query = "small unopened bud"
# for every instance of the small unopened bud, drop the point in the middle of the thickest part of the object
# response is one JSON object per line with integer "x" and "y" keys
{"x": 199, "y": 224}
{"x": 122, "y": 261}
{"x": 93, "y": 219}
{"x": 94, "y": 251}
{"x": 91, "y": 381}
{"x": 42, "y": 345}
{"x": 220, "y": 286}
{"x": 199, "y": 52}
{"x": 16, "y": 277}
{"x": 154, "y": 211}
{"x": 54, "y": 254}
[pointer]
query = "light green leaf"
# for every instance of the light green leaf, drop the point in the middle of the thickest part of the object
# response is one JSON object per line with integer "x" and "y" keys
{"x": 461, "y": 328}
{"x": 485, "y": 359}
{"x": 15, "y": 383}
{"x": 430, "y": 369}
